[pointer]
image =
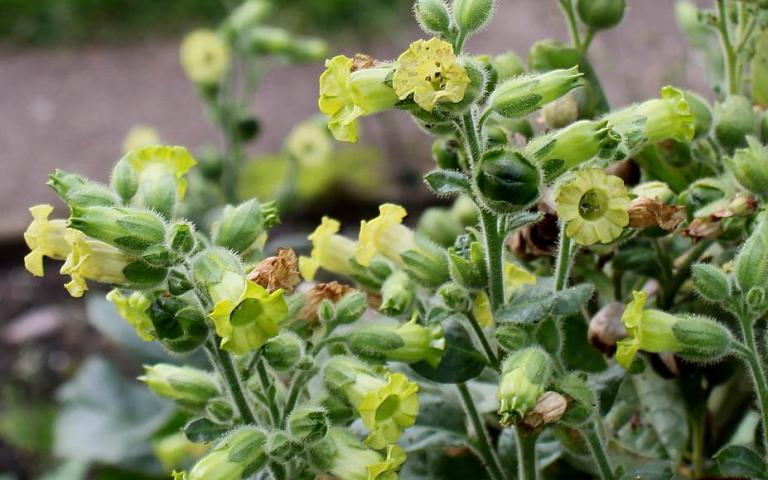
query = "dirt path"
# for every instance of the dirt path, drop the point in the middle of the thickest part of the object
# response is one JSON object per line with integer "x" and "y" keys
{"x": 70, "y": 109}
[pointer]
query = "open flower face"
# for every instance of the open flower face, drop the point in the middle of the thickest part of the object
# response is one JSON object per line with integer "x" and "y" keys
{"x": 385, "y": 235}
{"x": 247, "y": 315}
{"x": 45, "y": 238}
{"x": 389, "y": 410}
{"x": 593, "y": 206}
{"x": 330, "y": 250}
{"x": 346, "y": 96}
{"x": 91, "y": 259}
{"x": 204, "y": 56}
{"x": 430, "y": 72}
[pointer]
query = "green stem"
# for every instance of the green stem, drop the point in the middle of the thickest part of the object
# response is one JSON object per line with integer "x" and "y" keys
{"x": 269, "y": 391}
{"x": 493, "y": 254}
{"x": 731, "y": 62}
{"x": 573, "y": 27}
{"x": 223, "y": 362}
{"x": 293, "y": 394}
{"x": 757, "y": 371}
{"x": 486, "y": 451}
{"x": 587, "y": 40}
{"x": 526, "y": 455}
{"x": 696, "y": 419}
{"x": 684, "y": 271}
{"x": 563, "y": 261}
{"x": 597, "y": 447}
{"x": 487, "y": 348}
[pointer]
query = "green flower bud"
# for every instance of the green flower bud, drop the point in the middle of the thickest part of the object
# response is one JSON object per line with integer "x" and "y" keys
{"x": 466, "y": 264}
{"x": 511, "y": 337}
{"x": 695, "y": 338}
{"x": 397, "y": 293}
{"x": 247, "y": 129}
{"x": 308, "y": 424}
{"x": 702, "y": 193}
{"x": 246, "y": 15}
{"x": 351, "y": 307}
{"x": 472, "y": 15}
{"x": 756, "y": 301}
{"x": 308, "y": 50}
{"x": 559, "y": 151}
{"x": 447, "y": 154}
{"x": 522, "y": 95}
{"x": 524, "y": 376}
{"x": 654, "y": 189}
{"x": 496, "y": 136}
{"x": 432, "y": 16}
{"x": 702, "y": 114}
{"x": 326, "y": 312}
{"x": 711, "y": 282}
{"x": 236, "y": 457}
{"x": 562, "y": 112}
{"x": 284, "y": 351}
{"x": 734, "y": 120}
{"x": 268, "y": 40}
{"x": 280, "y": 446}
{"x": 132, "y": 230}
{"x": 347, "y": 458}
{"x": 425, "y": 263}
{"x": 77, "y": 191}
{"x": 507, "y": 181}
{"x": 455, "y": 296}
{"x": 178, "y": 283}
{"x": 241, "y": 228}
{"x": 440, "y": 225}
{"x": 188, "y": 387}
{"x": 507, "y": 65}
{"x": 408, "y": 343}
{"x": 751, "y": 264}
{"x": 601, "y": 14}
{"x": 750, "y": 166}
{"x": 181, "y": 327}
{"x": 181, "y": 238}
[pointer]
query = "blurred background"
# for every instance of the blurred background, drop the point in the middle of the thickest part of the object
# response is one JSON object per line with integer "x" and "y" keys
{"x": 76, "y": 75}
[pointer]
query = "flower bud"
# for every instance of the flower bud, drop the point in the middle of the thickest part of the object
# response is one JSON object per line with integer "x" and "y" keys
{"x": 236, "y": 457}
{"x": 601, "y": 14}
{"x": 549, "y": 408}
{"x": 472, "y": 15}
{"x": 241, "y": 228}
{"x": 77, "y": 191}
{"x": 432, "y": 16}
{"x": 284, "y": 351}
{"x": 751, "y": 263}
{"x": 750, "y": 166}
{"x": 220, "y": 410}
{"x": 711, "y": 282}
{"x": 181, "y": 238}
{"x": 267, "y": 40}
{"x": 455, "y": 296}
{"x": 507, "y": 181}
{"x": 386, "y": 405}
{"x": 507, "y": 65}
{"x": 351, "y": 307}
{"x": 559, "y": 151}
{"x": 408, "y": 343}
{"x": 188, "y": 387}
{"x": 701, "y": 193}
{"x": 447, "y": 154}
{"x": 562, "y": 112}
{"x": 524, "y": 376}
{"x": 734, "y": 120}
{"x": 397, "y": 292}
{"x": 345, "y": 457}
{"x": 694, "y": 338}
{"x": 307, "y": 49}
{"x": 180, "y": 327}
{"x": 511, "y": 337}
{"x": 132, "y": 230}
{"x": 522, "y": 95}
{"x": 702, "y": 114}
{"x": 467, "y": 266}
{"x": 426, "y": 263}
{"x": 246, "y": 15}
{"x": 308, "y": 424}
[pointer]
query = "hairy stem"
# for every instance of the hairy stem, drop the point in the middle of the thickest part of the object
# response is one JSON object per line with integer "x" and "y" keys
{"x": 757, "y": 371}
{"x": 731, "y": 60}
{"x": 563, "y": 261}
{"x": 269, "y": 392}
{"x": 596, "y": 444}
{"x": 527, "y": 468}
{"x": 484, "y": 447}
{"x": 487, "y": 348}
{"x": 226, "y": 368}
{"x": 493, "y": 254}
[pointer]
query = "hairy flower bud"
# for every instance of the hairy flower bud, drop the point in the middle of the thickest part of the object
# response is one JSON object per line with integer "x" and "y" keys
{"x": 284, "y": 351}
{"x": 242, "y": 228}
{"x": 507, "y": 65}
{"x": 702, "y": 113}
{"x": 524, "y": 376}
{"x": 398, "y": 291}
{"x": 507, "y": 181}
{"x": 433, "y": 16}
{"x": 472, "y": 15}
{"x": 447, "y": 154}
{"x": 308, "y": 424}
{"x": 751, "y": 264}
{"x": 181, "y": 327}
{"x": 246, "y": 15}
{"x": 188, "y": 387}
{"x": 522, "y": 95}
{"x": 408, "y": 343}
{"x": 601, "y": 14}
{"x": 562, "y": 112}
{"x": 455, "y": 296}
{"x": 734, "y": 120}
{"x": 750, "y": 166}
{"x": 236, "y": 457}
{"x": 132, "y": 230}
{"x": 181, "y": 238}
{"x": 78, "y": 191}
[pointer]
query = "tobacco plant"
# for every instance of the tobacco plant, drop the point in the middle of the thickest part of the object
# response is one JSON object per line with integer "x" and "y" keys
{"x": 590, "y": 305}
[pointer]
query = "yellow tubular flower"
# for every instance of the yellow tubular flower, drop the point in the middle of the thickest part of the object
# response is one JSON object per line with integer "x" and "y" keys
{"x": 346, "y": 96}
{"x": 594, "y": 207}
{"x": 649, "y": 330}
{"x": 45, "y": 238}
{"x": 346, "y": 458}
{"x": 140, "y": 136}
{"x": 247, "y": 318}
{"x": 134, "y": 309}
{"x": 384, "y": 234}
{"x": 159, "y": 161}
{"x": 330, "y": 251}
{"x": 389, "y": 410}
{"x": 204, "y": 56}
{"x": 481, "y": 309}
{"x": 91, "y": 259}
{"x": 431, "y": 72}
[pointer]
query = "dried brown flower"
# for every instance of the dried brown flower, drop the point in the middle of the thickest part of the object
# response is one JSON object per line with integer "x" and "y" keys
{"x": 361, "y": 61}
{"x": 333, "y": 291}
{"x": 650, "y": 212}
{"x": 549, "y": 408}
{"x": 278, "y": 272}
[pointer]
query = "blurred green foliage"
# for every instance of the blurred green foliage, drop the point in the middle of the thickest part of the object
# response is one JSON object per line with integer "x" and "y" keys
{"x": 53, "y": 22}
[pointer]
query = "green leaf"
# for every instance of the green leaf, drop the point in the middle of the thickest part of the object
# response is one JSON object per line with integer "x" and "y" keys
{"x": 760, "y": 70}
{"x": 447, "y": 182}
{"x": 535, "y": 303}
{"x": 440, "y": 424}
{"x": 108, "y": 420}
{"x": 461, "y": 360}
{"x": 570, "y": 300}
{"x": 740, "y": 461}
{"x": 651, "y": 471}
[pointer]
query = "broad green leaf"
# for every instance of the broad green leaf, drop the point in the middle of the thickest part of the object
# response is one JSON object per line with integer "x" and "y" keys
{"x": 461, "y": 360}
{"x": 535, "y": 302}
{"x": 202, "y": 430}
{"x": 447, "y": 182}
{"x": 740, "y": 461}
{"x": 570, "y": 300}
{"x": 441, "y": 423}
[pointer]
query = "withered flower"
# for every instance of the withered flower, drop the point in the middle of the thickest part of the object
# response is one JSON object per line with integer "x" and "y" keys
{"x": 333, "y": 291}
{"x": 647, "y": 212}
{"x": 278, "y": 272}
{"x": 549, "y": 408}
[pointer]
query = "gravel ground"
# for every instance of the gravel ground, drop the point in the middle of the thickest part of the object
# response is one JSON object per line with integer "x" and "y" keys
{"x": 71, "y": 108}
